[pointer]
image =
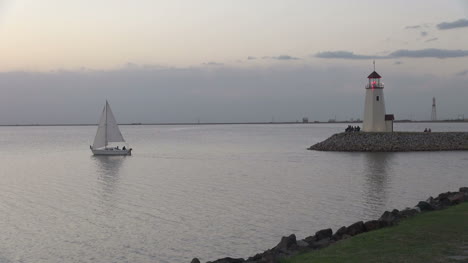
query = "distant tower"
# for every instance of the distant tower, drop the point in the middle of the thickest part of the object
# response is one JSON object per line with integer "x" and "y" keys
{"x": 434, "y": 110}
{"x": 375, "y": 119}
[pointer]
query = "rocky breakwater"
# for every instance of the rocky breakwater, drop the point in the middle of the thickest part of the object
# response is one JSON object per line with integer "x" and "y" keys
{"x": 394, "y": 142}
{"x": 290, "y": 246}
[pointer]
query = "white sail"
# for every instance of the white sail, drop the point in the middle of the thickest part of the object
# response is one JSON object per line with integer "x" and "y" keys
{"x": 113, "y": 132}
{"x": 108, "y": 130}
{"x": 100, "y": 139}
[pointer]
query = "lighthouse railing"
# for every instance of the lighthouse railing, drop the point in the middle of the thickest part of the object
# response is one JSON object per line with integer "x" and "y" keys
{"x": 375, "y": 86}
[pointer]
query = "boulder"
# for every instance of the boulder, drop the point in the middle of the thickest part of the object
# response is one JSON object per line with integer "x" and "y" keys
{"x": 356, "y": 228}
{"x": 269, "y": 256}
{"x": 195, "y": 260}
{"x": 386, "y": 219}
{"x": 324, "y": 233}
{"x": 456, "y": 198}
{"x": 287, "y": 244}
{"x": 228, "y": 260}
{"x": 255, "y": 258}
{"x": 430, "y": 199}
{"x": 302, "y": 243}
{"x": 435, "y": 203}
{"x": 321, "y": 239}
{"x": 448, "y": 199}
{"x": 425, "y": 206}
{"x": 441, "y": 203}
{"x": 339, "y": 233}
{"x": 443, "y": 195}
{"x": 318, "y": 244}
{"x": 408, "y": 212}
{"x": 390, "y": 218}
{"x": 373, "y": 225}
{"x": 309, "y": 239}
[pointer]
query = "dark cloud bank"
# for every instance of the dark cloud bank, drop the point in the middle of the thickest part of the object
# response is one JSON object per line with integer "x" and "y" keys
{"x": 451, "y": 25}
{"x": 280, "y": 57}
{"x": 443, "y": 25}
{"x": 216, "y": 94}
{"x": 285, "y": 57}
{"x": 344, "y": 55}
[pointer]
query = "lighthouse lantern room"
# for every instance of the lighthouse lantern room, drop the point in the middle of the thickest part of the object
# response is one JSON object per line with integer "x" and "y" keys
{"x": 375, "y": 118}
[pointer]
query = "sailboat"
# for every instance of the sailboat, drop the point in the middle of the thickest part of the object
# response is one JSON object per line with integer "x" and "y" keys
{"x": 108, "y": 136}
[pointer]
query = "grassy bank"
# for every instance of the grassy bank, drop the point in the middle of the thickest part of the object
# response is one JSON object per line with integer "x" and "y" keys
{"x": 427, "y": 237}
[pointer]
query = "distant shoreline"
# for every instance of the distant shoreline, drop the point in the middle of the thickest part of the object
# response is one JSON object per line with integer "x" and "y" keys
{"x": 229, "y": 123}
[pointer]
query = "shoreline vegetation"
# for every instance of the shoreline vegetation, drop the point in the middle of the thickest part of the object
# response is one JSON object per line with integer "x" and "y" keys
{"x": 394, "y": 142}
{"x": 434, "y": 230}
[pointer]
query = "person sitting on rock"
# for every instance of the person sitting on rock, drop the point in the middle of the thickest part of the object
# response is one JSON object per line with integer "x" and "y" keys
{"x": 429, "y": 130}
{"x": 425, "y": 130}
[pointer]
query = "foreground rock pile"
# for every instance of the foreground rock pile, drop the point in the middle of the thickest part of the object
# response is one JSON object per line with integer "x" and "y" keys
{"x": 394, "y": 142}
{"x": 290, "y": 246}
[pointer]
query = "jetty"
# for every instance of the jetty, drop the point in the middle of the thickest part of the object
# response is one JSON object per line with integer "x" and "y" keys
{"x": 394, "y": 142}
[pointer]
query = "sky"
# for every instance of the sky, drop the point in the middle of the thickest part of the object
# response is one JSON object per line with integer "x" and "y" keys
{"x": 229, "y": 60}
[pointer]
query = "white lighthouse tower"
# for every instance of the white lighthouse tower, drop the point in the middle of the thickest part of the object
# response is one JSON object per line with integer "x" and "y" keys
{"x": 375, "y": 119}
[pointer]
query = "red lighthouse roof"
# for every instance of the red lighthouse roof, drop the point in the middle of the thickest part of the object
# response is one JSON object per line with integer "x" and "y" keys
{"x": 374, "y": 75}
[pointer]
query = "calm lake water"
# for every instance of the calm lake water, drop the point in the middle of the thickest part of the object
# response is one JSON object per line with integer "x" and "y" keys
{"x": 198, "y": 191}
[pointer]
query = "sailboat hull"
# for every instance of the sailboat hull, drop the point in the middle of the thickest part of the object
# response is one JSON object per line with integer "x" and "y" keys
{"x": 111, "y": 152}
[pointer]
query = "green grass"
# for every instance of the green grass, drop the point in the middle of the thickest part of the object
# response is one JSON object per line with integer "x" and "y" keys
{"x": 427, "y": 237}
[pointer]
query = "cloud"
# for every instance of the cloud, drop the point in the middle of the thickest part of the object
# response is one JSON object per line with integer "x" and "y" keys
{"x": 212, "y": 63}
{"x": 429, "y": 53}
{"x": 401, "y": 53}
{"x": 413, "y": 27}
{"x": 285, "y": 57}
{"x": 251, "y": 58}
{"x": 344, "y": 55}
{"x": 281, "y": 57}
{"x": 432, "y": 39}
{"x": 451, "y": 25}
{"x": 423, "y": 33}
{"x": 462, "y": 73}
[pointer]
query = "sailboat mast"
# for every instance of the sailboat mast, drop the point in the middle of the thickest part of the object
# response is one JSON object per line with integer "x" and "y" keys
{"x": 105, "y": 125}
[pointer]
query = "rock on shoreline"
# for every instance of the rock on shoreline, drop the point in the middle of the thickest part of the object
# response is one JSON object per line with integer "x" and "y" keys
{"x": 394, "y": 142}
{"x": 289, "y": 246}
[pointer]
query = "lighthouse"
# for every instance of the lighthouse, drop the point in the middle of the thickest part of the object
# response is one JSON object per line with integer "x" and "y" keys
{"x": 375, "y": 118}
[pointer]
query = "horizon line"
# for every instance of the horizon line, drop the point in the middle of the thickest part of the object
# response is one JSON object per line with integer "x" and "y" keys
{"x": 225, "y": 123}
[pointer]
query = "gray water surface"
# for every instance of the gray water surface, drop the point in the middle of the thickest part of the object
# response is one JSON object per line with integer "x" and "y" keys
{"x": 206, "y": 191}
